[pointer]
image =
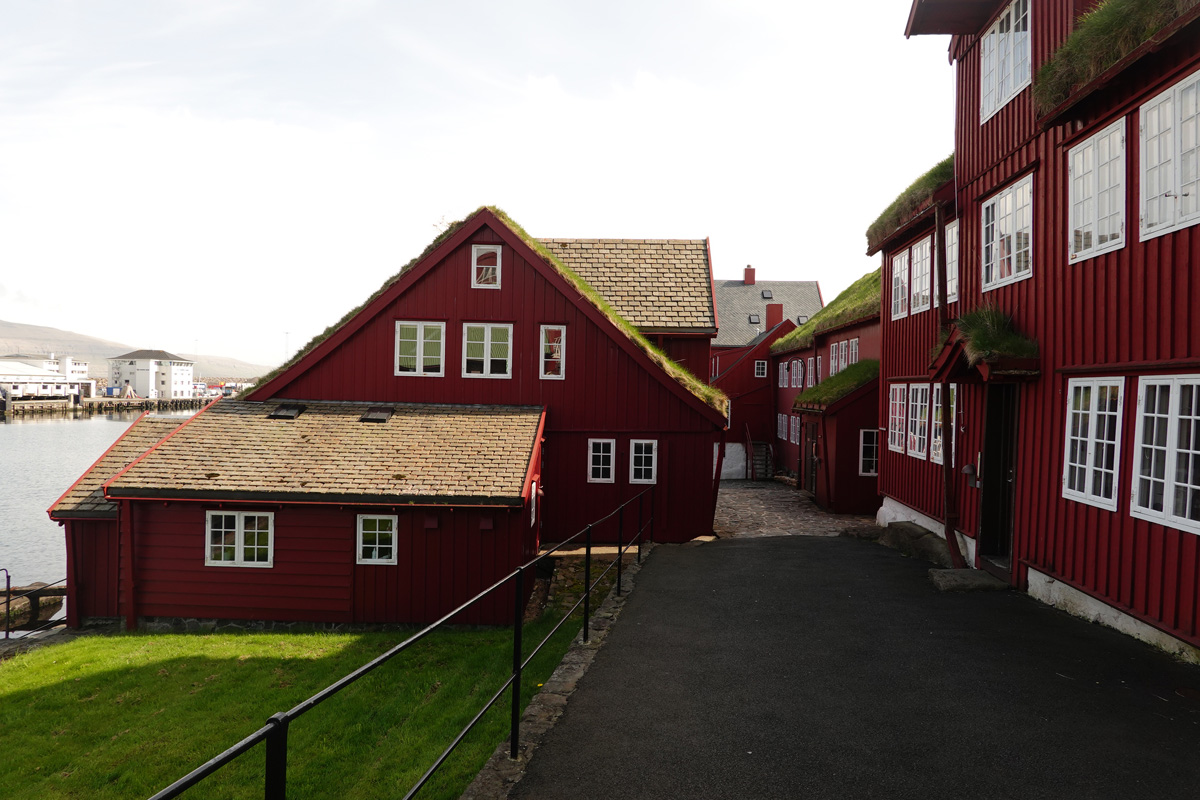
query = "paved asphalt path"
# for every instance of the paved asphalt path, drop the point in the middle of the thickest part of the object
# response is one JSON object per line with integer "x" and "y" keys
{"x": 830, "y": 668}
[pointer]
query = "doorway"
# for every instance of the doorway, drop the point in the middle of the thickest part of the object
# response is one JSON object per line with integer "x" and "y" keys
{"x": 999, "y": 480}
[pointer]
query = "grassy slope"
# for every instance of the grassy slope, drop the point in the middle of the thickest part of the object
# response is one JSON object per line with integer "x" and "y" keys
{"x": 124, "y": 716}
{"x": 838, "y": 386}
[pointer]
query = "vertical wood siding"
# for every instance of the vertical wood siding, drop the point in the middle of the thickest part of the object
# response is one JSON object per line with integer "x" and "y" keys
{"x": 94, "y": 569}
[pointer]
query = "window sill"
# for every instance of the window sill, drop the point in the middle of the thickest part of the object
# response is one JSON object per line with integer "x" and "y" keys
{"x": 1108, "y": 247}
{"x": 1145, "y": 236}
{"x": 987, "y": 287}
{"x": 1184, "y": 525}
{"x": 1088, "y": 500}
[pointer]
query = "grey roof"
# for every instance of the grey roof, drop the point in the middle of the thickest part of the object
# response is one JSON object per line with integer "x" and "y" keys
{"x": 156, "y": 355}
{"x": 736, "y": 302}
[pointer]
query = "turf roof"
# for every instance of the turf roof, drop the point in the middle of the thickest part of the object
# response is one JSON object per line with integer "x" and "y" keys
{"x": 987, "y": 334}
{"x": 834, "y": 388}
{"x": 860, "y": 300}
{"x": 710, "y": 396}
{"x": 911, "y": 200}
{"x": 1102, "y": 37}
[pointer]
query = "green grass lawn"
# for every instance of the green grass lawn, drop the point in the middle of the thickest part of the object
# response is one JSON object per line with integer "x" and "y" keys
{"x": 124, "y": 716}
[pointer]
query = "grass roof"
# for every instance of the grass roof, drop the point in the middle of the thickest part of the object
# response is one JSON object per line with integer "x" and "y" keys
{"x": 860, "y": 300}
{"x": 988, "y": 334}
{"x": 910, "y": 201}
{"x": 836, "y": 387}
{"x": 1102, "y": 37}
{"x": 710, "y": 395}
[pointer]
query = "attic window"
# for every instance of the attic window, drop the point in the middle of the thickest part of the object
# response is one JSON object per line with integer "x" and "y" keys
{"x": 485, "y": 266}
{"x": 754, "y": 319}
{"x": 800, "y": 320}
{"x": 768, "y": 294}
{"x": 377, "y": 414}
{"x": 286, "y": 411}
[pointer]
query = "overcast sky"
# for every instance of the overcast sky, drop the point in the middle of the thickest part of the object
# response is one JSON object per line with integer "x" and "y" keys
{"x": 231, "y": 177}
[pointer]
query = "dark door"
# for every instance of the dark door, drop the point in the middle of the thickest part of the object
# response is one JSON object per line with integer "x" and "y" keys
{"x": 999, "y": 480}
{"x": 810, "y": 460}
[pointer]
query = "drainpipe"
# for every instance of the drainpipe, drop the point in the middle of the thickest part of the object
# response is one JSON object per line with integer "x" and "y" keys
{"x": 950, "y": 508}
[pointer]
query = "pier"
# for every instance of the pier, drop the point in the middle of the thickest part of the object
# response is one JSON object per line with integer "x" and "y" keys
{"x": 11, "y": 408}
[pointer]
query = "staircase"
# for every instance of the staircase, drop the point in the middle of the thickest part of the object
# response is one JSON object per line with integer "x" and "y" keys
{"x": 762, "y": 466}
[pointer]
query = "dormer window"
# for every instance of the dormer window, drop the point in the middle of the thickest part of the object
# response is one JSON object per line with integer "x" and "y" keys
{"x": 485, "y": 266}
{"x": 754, "y": 319}
{"x": 767, "y": 294}
{"x": 287, "y": 411}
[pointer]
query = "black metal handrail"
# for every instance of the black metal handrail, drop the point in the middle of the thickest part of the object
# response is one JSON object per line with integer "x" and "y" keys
{"x": 9, "y": 597}
{"x": 274, "y": 733}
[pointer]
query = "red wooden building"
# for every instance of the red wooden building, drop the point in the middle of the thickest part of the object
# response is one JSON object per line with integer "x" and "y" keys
{"x": 826, "y": 385}
{"x": 395, "y": 466}
{"x": 1076, "y": 473}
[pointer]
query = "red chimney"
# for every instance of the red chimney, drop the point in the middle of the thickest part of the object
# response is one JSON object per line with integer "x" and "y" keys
{"x": 749, "y": 279}
{"x": 774, "y": 314}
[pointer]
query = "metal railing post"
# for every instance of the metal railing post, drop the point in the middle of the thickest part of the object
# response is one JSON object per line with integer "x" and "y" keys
{"x": 518, "y": 615}
{"x": 587, "y": 583}
{"x": 620, "y": 544}
{"x": 275, "y": 784}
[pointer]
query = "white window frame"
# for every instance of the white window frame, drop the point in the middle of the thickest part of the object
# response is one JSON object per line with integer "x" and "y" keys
{"x": 833, "y": 359}
{"x": 543, "y": 355}
{"x": 1009, "y": 215}
{"x": 918, "y": 420}
{"x": 1088, "y": 420}
{"x": 1005, "y": 59}
{"x": 1166, "y": 516}
{"x": 760, "y": 369}
{"x": 795, "y": 437}
{"x": 1166, "y": 204}
{"x": 783, "y": 372}
{"x": 533, "y": 504}
{"x": 798, "y": 373}
{"x": 421, "y": 372}
{"x": 818, "y": 369}
{"x": 843, "y": 354}
{"x": 1092, "y": 184}
{"x": 935, "y": 427}
{"x": 921, "y": 261}
{"x": 476, "y": 251}
{"x": 359, "y": 558}
{"x": 239, "y": 545}
{"x": 488, "y": 328}
{"x": 853, "y": 357}
{"x": 633, "y": 465}
{"x": 781, "y": 426}
{"x": 900, "y": 285}
{"x": 897, "y": 416}
{"x": 811, "y": 372}
{"x": 612, "y": 461}
{"x": 951, "y": 265}
{"x": 862, "y": 452}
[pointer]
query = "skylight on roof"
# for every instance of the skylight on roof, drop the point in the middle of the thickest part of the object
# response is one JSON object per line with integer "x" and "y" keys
{"x": 754, "y": 319}
{"x": 800, "y": 320}
{"x": 768, "y": 294}
{"x": 377, "y": 414}
{"x": 287, "y": 411}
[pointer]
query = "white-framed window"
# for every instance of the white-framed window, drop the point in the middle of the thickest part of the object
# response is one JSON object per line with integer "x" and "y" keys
{"x": 1170, "y": 150}
{"x": 918, "y": 419}
{"x": 797, "y": 373}
{"x": 843, "y": 354}
{"x": 485, "y": 266}
{"x": 533, "y": 504}
{"x": 812, "y": 372}
{"x": 951, "y": 264}
{"x": 900, "y": 285}
{"x": 783, "y": 372}
{"x": 919, "y": 293}
{"x": 853, "y": 357}
{"x": 795, "y": 438}
{"x": 1007, "y": 218}
{"x": 487, "y": 350}
{"x": 643, "y": 461}
{"x": 1004, "y": 54}
{"x": 1166, "y": 484}
{"x": 1096, "y": 193}
{"x": 897, "y": 416}
{"x": 935, "y": 433}
{"x": 833, "y": 359}
{"x": 781, "y": 426}
{"x": 601, "y": 453}
{"x": 420, "y": 348}
{"x": 1092, "y": 448}
{"x": 554, "y": 353}
{"x": 376, "y": 539}
{"x": 240, "y": 539}
{"x": 868, "y": 452}
{"x": 818, "y": 369}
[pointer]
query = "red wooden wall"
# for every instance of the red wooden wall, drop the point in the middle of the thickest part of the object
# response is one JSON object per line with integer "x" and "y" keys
{"x": 751, "y": 399}
{"x": 1127, "y": 313}
{"x": 607, "y": 393}
{"x": 93, "y": 570}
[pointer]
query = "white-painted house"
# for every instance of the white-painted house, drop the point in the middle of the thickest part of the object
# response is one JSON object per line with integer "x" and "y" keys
{"x": 152, "y": 374}
{"x": 22, "y": 380}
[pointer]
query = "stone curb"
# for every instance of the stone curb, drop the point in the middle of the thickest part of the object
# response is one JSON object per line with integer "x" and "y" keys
{"x": 498, "y": 776}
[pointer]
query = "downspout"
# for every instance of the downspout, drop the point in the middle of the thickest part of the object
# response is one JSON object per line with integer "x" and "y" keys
{"x": 950, "y": 509}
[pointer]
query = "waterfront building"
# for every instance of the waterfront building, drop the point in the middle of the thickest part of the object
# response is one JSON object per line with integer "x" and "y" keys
{"x": 151, "y": 374}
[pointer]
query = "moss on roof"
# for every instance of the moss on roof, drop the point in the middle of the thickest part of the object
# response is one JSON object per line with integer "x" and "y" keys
{"x": 860, "y": 300}
{"x": 1102, "y": 37}
{"x": 910, "y": 201}
{"x": 836, "y": 387}
{"x": 711, "y": 396}
{"x": 988, "y": 334}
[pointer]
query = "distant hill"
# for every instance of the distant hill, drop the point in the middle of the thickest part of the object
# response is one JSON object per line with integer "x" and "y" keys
{"x": 16, "y": 337}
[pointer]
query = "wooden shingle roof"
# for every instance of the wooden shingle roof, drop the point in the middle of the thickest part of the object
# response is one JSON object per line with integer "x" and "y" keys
{"x": 422, "y": 453}
{"x": 85, "y": 499}
{"x": 658, "y": 285}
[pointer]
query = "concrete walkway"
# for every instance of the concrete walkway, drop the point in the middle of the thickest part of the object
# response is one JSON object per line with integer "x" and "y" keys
{"x": 814, "y": 667}
{"x": 749, "y": 509}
